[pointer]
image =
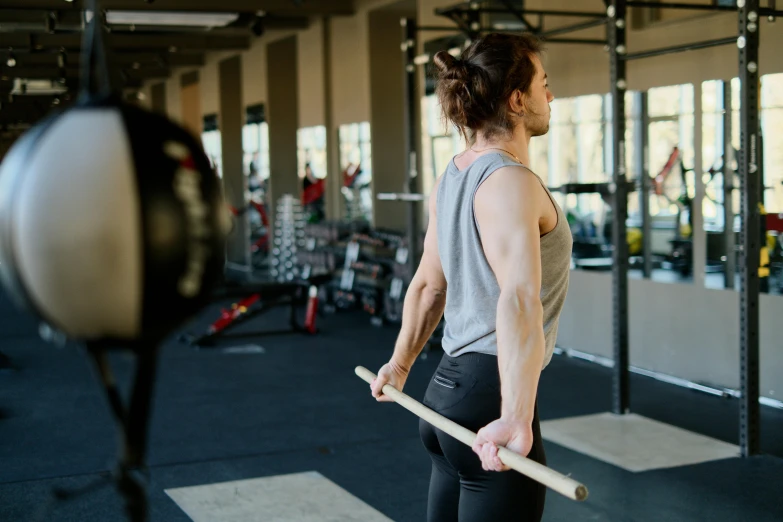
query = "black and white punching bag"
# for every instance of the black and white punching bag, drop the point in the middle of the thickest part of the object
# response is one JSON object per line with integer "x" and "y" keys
{"x": 112, "y": 223}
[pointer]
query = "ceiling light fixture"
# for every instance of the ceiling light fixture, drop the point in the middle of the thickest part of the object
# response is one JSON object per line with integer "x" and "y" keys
{"x": 171, "y": 18}
{"x": 37, "y": 87}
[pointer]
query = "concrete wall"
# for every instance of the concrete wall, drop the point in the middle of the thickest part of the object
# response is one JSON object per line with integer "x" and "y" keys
{"x": 681, "y": 330}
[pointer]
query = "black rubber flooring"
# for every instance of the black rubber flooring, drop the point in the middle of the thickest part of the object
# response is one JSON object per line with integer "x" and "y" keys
{"x": 298, "y": 407}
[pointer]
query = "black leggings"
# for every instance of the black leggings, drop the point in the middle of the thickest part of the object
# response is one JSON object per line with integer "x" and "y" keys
{"x": 466, "y": 389}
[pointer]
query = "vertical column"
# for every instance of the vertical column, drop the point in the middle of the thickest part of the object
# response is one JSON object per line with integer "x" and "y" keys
{"x": 158, "y": 97}
{"x": 698, "y": 234}
{"x": 616, "y": 37}
{"x": 334, "y": 179}
{"x": 748, "y": 43}
{"x": 642, "y": 149}
{"x": 282, "y": 91}
{"x": 231, "y": 121}
{"x": 730, "y": 266}
{"x": 388, "y": 122}
{"x": 190, "y": 100}
{"x": 411, "y": 122}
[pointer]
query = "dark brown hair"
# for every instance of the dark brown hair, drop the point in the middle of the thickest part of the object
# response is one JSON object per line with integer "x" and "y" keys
{"x": 474, "y": 89}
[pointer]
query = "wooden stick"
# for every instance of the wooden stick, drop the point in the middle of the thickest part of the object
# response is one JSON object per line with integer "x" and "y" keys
{"x": 550, "y": 478}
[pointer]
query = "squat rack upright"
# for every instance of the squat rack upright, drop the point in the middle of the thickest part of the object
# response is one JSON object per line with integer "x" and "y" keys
{"x": 467, "y": 17}
{"x": 747, "y": 41}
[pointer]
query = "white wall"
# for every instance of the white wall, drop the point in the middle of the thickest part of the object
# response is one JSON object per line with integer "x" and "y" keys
{"x": 676, "y": 329}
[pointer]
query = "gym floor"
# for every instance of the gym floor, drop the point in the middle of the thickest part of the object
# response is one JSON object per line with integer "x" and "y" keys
{"x": 295, "y": 413}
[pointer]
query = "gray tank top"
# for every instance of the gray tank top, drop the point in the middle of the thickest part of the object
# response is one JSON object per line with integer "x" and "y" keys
{"x": 472, "y": 289}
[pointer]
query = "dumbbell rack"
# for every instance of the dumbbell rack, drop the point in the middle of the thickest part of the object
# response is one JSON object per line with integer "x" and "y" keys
{"x": 288, "y": 240}
{"x": 364, "y": 277}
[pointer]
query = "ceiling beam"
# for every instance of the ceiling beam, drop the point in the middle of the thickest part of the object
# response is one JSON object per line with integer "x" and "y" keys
{"x": 52, "y": 73}
{"x": 12, "y": 20}
{"x": 151, "y": 41}
{"x": 282, "y": 7}
{"x": 284, "y": 23}
{"x": 162, "y": 59}
{"x": 128, "y": 41}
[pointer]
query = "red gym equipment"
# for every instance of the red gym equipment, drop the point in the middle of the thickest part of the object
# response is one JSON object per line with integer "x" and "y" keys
{"x": 257, "y": 299}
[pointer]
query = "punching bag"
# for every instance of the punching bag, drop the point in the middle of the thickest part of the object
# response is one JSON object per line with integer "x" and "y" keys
{"x": 112, "y": 222}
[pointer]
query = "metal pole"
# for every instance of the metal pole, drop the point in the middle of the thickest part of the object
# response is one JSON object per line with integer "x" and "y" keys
{"x": 643, "y": 164}
{"x": 730, "y": 266}
{"x": 682, "y": 48}
{"x": 409, "y": 50}
{"x": 616, "y": 36}
{"x": 519, "y": 13}
{"x": 572, "y": 28}
{"x": 748, "y": 43}
{"x": 446, "y": 11}
{"x": 674, "y": 5}
{"x": 580, "y": 41}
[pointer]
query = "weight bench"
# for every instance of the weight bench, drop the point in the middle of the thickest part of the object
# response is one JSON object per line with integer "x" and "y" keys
{"x": 256, "y": 299}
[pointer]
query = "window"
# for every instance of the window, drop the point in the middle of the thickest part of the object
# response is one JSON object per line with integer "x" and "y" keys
{"x": 712, "y": 150}
{"x": 771, "y": 116}
{"x": 772, "y": 129}
{"x": 670, "y": 111}
{"x": 210, "y": 139}
{"x": 311, "y": 149}
{"x": 255, "y": 143}
{"x": 356, "y": 153}
{"x": 577, "y": 134}
{"x": 440, "y": 143}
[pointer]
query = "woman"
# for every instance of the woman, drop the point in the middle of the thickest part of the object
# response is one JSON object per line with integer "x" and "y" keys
{"x": 496, "y": 262}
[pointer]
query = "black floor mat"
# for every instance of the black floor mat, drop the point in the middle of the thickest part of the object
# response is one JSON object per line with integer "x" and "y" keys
{"x": 298, "y": 406}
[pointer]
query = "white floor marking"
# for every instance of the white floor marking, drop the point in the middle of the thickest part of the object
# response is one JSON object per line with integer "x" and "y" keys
{"x": 635, "y": 443}
{"x": 300, "y": 497}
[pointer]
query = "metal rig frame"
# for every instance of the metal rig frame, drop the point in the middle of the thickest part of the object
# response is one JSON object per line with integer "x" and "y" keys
{"x": 467, "y": 18}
